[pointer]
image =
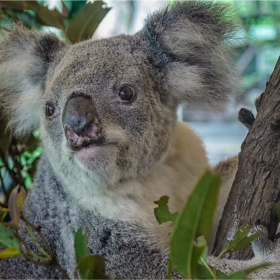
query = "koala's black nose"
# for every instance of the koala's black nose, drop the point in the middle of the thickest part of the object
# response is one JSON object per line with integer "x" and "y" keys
{"x": 80, "y": 121}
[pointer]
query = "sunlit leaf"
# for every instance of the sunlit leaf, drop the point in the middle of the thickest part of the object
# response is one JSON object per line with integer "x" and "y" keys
{"x": 9, "y": 252}
{"x": 7, "y": 238}
{"x": 195, "y": 220}
{"x": 92, "y": 267}
{"x": 241, "y": 240}
{"x": 84, "y": 23}
{"x": 162, "y": 212}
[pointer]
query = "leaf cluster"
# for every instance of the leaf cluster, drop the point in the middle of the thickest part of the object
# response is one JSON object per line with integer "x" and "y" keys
{"x": 75, "y": 28}
{"x": 188, "y": 246}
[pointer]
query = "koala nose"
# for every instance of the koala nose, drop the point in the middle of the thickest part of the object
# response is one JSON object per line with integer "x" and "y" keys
{"x": 80, "y": 121}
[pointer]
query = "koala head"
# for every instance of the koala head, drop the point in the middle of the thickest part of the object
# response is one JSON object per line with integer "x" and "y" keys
{"x": 106, "y": 109}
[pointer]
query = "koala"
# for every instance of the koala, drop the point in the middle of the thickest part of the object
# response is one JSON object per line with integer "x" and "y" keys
{"x": 106, "y": 111}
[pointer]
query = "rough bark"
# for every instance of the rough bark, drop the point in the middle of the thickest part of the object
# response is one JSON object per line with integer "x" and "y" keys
{"x": 256, "y": 188}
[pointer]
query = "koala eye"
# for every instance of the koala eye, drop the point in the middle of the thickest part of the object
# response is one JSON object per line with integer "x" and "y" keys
{"x": 50, "y": 109}
{"x": 127, "y": 93}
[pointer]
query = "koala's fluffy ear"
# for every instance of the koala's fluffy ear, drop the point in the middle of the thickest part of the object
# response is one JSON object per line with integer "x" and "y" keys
{"x": 25, "y": 56}
{"x": 192, "y": 41}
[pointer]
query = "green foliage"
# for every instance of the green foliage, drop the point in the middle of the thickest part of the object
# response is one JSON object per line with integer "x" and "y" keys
{"x": 188, "y": 250}
{"x": 75, "y": 28}
{"x": 194, "y": 221}
{"x": 7, "y": 238}
{"x": 80, "y": 242}
{"x": 162, "y": 212}
{"x": 241, "y": 240}
{"x": 92, "y": 267}
{"x": 85, "y": 22}
{"x": 89, "y": 266}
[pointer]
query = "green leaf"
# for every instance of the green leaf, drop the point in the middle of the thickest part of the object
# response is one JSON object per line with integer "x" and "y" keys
{"x": 242, "y": 274}
{"x": 241, "y": 240}
{"x": 84, "y": 23}
{"x": 202, "y": 272}
{"x": 80, "y": 242}
{"x": 162, "y": 212}
{"x": 9, "y": 252}
{"x": 201, "y": 242}
{"x": 92, "y": 267}
{"x": 170, "y": 269}
{"x": 196, "y": 256}
{"x": 43, "y": 14}
{"x": 278, "y": 210}
{"x": 7, "y": 238}
{"x": 195, "y": 220}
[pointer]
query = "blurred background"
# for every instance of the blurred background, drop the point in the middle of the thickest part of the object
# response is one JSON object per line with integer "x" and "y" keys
{"x": 222, "y": 133}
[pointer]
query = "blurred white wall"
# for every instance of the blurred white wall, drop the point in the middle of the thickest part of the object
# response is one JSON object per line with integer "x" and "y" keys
{"x": 126, "y": 17}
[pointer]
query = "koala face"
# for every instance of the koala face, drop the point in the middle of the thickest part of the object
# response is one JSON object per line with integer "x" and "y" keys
{"x": 106, "y": 111}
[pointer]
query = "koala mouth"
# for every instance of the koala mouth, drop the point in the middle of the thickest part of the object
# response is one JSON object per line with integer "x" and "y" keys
{"x": 77, "y": 142}
{"x": 91, "y": 152}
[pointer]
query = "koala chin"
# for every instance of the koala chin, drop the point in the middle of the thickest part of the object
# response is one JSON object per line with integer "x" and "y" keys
{"x": 106, "y": 111}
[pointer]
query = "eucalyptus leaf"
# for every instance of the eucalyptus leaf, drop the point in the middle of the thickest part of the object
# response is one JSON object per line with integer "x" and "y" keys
{"x": 162, "y": 212}
{"x": 203, "y": 272}
{"x": 9, "y": 252}
{"x": 84, "y": 23}
{"x": 43, "y": 14}
{"x": 196, "y": 256}
{"x": 195, "y": 220}
{"x": 7, "y": 238}
{"x": 201, "y": 241}
{"x": 92, "y": 267}
{"x": 80, "y": 242}
{"x": 241, "y": 240}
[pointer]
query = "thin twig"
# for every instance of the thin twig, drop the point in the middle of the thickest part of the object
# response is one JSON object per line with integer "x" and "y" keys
{"x": 54, "y": 260}
{"x": 29, "y": 250}
{"x": 35, "y": 242}
{"x": 28, "y": 258}
{"x": 38, "y": 231}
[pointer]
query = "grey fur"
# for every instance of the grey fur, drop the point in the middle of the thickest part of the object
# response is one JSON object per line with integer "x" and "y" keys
{"x": 181, "y": 54}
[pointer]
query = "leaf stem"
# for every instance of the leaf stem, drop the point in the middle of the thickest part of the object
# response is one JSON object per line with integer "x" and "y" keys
{"x": 209, "y": 269}
{"x": 51, "y": 254}
{"x": 217, "y": 260}
{"x": 29, "y": 250}
{"x": 36, "y": 243}
{"x": 170, "y": 268}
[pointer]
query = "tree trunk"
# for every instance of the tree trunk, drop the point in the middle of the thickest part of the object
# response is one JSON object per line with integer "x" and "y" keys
{"x": 256, "y": 188}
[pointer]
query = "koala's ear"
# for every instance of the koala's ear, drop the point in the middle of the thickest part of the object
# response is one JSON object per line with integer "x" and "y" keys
{"x": 25, "y": 57}
{"x": 192, "y": 41}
